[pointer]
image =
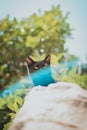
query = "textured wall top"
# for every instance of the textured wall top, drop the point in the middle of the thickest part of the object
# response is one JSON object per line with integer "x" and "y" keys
{"x": 60, "y": 106}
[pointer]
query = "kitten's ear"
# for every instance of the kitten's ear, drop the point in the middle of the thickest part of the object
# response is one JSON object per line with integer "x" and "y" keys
{"x": 47, "y": 59}
{"x": 29, "y": 60}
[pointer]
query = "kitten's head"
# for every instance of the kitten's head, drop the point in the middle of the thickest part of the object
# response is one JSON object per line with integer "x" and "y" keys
{"x": 36, "y": 65}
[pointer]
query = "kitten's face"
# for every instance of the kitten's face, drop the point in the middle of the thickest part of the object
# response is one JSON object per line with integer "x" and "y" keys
{"x": 34, "y": 66}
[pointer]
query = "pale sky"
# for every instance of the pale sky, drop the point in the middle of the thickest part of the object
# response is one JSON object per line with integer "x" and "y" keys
{"x": 77, "y": 18}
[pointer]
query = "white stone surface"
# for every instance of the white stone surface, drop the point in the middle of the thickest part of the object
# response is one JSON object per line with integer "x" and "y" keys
{"x": 60, "y": 106}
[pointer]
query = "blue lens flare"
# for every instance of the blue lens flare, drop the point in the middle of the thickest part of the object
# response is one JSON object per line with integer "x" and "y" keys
{"x": 41, "y": 77}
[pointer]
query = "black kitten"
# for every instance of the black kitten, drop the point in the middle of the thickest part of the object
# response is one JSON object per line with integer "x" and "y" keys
{"x": 36, "y": 65}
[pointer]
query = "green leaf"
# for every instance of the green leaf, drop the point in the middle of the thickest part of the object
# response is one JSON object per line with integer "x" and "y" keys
{"x": 13, "y": 106}
{"x": 12, "y": 115}
{"x": 2, "y": 103}
{"x": 6, "y": 126}
{"x": 18, "y": 100}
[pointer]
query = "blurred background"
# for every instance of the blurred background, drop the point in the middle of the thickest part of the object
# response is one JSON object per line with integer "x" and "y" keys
{"x": 37, "y": 28}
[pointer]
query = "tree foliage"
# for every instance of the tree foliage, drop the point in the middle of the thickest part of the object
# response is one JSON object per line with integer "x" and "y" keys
{"x": 36, "y": 35}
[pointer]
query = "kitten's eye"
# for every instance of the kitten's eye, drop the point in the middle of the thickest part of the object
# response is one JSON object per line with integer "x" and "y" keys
{"x": 36, "y": 67}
